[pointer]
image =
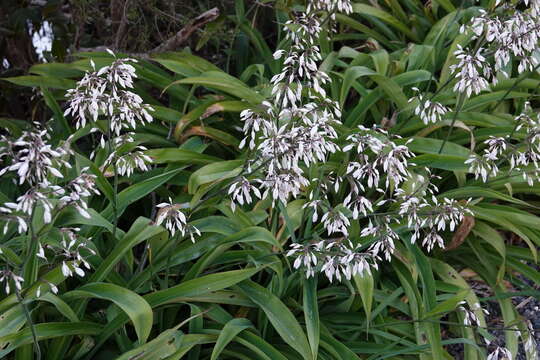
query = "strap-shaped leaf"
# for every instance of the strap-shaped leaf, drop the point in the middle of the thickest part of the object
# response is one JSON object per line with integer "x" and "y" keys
{"x": 280, "y": 316}
{"x": 134, "y": 305}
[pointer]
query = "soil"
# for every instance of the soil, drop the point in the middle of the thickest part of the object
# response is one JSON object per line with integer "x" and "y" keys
{"x": 527, "y": 306}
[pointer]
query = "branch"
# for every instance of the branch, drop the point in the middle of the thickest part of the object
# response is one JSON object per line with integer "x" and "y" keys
{"x": 174, "y": 42}
{"x": 184, "y": 34}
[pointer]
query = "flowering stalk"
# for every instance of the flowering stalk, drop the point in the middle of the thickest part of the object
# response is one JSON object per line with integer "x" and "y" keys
{"x": 294, "y": 131}
{"x": 107, "y": 92}
{"x": 28, "y": 317}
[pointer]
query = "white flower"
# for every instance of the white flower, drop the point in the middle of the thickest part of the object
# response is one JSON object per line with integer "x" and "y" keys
{"x": 358, "y": 205}
{"x": 70, "y": 249}
{"x": 126, "y": 163}
{"x": 500, "y": 353}
{"x": 175, "y": 220}
{"x": 105, "y": 92}
{"x": 429, "y": 111}
{"x": 471, "y": 72}
{"x": 482, "y": 167}
{"x": 306, "y": 256}
{"x": 470, "y": 318}
{"x": 34, "y": 160}
{"x": 7, "y": 276}
{"x": 431, "y": 239}
{"x": 335, "y": 222}
{"x": 529, "y": 343}
{"x": 6, "y": 214}
{"x": 75, "y": 192}
{"x": 313, "y": 204}
{"x": 384, "y": 237}
{"x": 240, "y": 192}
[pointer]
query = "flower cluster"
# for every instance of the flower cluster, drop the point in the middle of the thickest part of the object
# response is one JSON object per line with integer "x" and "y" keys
{"x": 38, "y": 166}
{"x": 7, "y": 277}
{"x": 472, "y": 71}
{"x": 511, "y": 30}
{"x": 529, "y": 343}
{"x": 69, "y": 251}
{"x": 521, "y": 157}
{"x": 429, "y": 111}
{"x": 500, "y": 353}
{"x": 296, "y": 129}
{"x": 32, "y": 158}
{"x": 106, "y": 92}
{"x": 175, "y": 220}
{"x": 379, "y": 165}
{"x": 336, "y": 259}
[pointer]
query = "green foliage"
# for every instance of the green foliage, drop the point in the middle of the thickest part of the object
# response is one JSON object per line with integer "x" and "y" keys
{"x": 232, "y": 294}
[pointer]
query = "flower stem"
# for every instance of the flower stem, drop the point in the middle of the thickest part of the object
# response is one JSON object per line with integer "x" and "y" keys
{"x": 454, "y": 118}
{"x": 30, "y": 324}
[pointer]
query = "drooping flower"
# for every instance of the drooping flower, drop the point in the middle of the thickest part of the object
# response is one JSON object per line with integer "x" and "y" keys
{"x": 175, "y": 220}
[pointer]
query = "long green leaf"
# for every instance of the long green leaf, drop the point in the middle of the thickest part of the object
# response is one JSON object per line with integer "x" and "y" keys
{"x": 227, "y": 334}
{"x": 131, "y": 303}
{"x": 280, "y": 316}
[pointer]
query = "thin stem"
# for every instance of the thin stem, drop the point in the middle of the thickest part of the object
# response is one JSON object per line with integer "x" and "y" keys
{"x": 454, "y": 118}
{"x": 29, "y": 272}
{"x": 115, "y": 203}
{"x": 115, "y": 182}
{"x": 30, "y": 324}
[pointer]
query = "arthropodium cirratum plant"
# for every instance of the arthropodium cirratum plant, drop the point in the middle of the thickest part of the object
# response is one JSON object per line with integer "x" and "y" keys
{"x": 41, "y": 169}
{"x": 291, "y": 139}
{"x": 294, "y": 132}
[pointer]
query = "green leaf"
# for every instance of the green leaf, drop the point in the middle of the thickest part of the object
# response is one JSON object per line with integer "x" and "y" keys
{"x": 358, "y": 26}
{"x": 199, "y": 286}
{"x": 280, "y": 316}
{"x": 214, "y": 172}
{"x": 471, "y": 191}
{"x": 447, "y": 305}
{"x": 445, "y": 162}
{"x": 138, "y": 191}
{"x": 184, "y": 63}
{"x": 140, "y": 231}
{"x": 48, "y": 331}
{"x": 363, "y": 9}
{"x": 349, "y": 77}
{"x": 191, "y": 288}
{"x": 228, "y": 333}
{"x": 446, "y": 4}
{"x": 392, "y": 89}
{"x": 60, "y": 305}
{"x": 42, "y": 81}
{"x": 365, "y": 286}
{"x": 511, "y": 220}
{"x": 175, "y": 155}
{"x": 138, "y": 310}
{"x": 432, "y": 146}
{"x": 61, "y": 127}
{"x": 228, "y": 84}
{"x": 429, "y": 300}
{"x": 311, "y": 314}
{"x": 11, "y": 321}
{"x": 70, "y": 216}
{"x": 56, "y": 70}
{"x": 166, "y": 344}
